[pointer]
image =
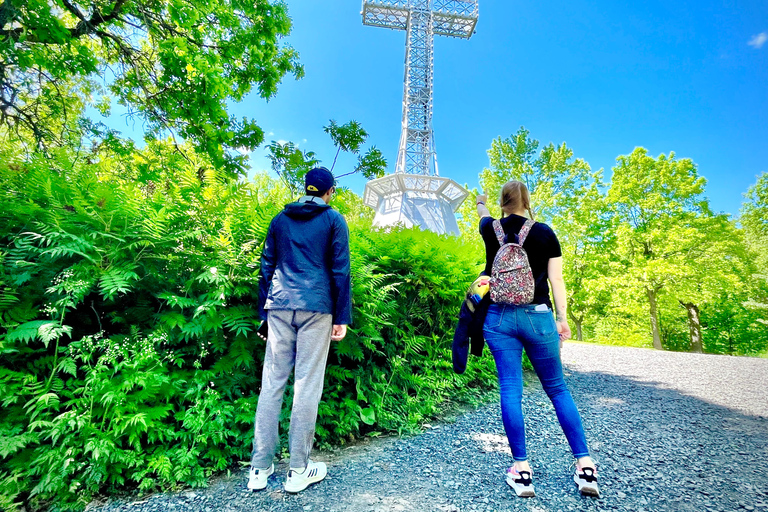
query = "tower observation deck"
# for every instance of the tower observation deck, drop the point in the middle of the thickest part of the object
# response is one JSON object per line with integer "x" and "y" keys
{"x": 416, "y": 194}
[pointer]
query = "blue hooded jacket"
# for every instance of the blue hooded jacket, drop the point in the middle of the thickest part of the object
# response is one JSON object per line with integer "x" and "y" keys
{"x": 305, "y": 262}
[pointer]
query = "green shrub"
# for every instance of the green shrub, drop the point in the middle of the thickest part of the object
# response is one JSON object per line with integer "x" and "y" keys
{"x": 128, "y": 287}
{"x": 393, "y": 371}
{"x": 127, "y": 316}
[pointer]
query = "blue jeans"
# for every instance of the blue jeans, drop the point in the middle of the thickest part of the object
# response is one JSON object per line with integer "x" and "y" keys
{"x": 508, "y": 330}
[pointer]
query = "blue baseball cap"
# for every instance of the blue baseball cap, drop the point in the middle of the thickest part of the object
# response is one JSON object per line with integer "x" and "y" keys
{"x": 318, "y": 181}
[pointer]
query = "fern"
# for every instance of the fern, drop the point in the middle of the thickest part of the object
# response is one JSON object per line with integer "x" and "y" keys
{"x": 117, "y": 280}
{"x": 241, "y": 319}
{"x": 127, "y": 361}
{"x": 26, "y": 332}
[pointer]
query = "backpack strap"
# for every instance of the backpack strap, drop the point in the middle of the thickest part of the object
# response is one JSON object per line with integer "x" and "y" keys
{"x": 525, "y": 230}
{"x": 499, "y": 231}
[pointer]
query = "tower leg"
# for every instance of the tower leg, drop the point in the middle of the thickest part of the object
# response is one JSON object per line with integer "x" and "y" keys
{"x": 416, "y": 154}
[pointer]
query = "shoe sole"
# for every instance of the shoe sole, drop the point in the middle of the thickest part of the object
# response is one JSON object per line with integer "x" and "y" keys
{"x": 522, "y": 492}
{"x": 309, "y": 481}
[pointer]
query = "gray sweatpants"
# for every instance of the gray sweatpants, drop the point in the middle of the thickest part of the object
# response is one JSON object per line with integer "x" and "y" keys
{"x": 297, "y": 339}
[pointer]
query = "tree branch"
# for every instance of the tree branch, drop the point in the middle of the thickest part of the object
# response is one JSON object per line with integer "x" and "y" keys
{"x": 89, "y": 26}
{"x": 84, "y": 26}
{"x": 74, "y": 11}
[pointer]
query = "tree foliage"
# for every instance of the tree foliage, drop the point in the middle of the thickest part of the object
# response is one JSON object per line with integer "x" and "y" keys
{"x": 646, "y": 261}
{"x": 174, "y": 64}
{"x": 128, "y": 284}
{"x": 292, "y": 164}
{"x": 553, "y": 176}
{"x": 754, "y": 218}
{"x": 656, "y": 204}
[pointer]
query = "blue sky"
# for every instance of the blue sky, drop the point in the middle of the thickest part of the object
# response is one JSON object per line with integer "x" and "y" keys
{"x": 685, "y": 76}
{"x": 603, "y": 76}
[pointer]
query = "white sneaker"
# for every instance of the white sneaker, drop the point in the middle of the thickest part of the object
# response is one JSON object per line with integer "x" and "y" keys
{"x": 257, "y": 478}
{"x": 300, "y": 479}
{"x": 586, "y": 480}
{"x": 521, "y": 482}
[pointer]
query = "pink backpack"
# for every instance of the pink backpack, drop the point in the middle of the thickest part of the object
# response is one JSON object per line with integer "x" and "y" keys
{"x": 511, "y": 277}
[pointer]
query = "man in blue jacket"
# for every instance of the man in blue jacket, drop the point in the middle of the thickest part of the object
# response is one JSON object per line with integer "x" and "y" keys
{"x": 305, "y": 295}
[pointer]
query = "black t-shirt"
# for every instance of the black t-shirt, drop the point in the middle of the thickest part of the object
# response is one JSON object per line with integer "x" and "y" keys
{"x": 541, "y": 244}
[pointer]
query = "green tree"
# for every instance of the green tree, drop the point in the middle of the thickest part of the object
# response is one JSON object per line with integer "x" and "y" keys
{"x": 350, "y": 138}
{"x": 468, "y": 221}
{"x": 587, "y": 245}
{"x": 291, "y": 163}
{"x": 175, "y": 64}
{"x": 553, "y": 176}
{"x": 714, "y": 265}
{"x": 754, "y": 219}
{"x": 661, "y": 221}
{"x": 565, "y": 193}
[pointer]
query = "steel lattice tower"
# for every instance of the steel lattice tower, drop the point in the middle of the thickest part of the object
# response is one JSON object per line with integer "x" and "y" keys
{"x": 415, "y": 194}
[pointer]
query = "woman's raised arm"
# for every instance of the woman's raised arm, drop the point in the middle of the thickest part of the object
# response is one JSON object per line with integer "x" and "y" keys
{"x": 482, "y": 209}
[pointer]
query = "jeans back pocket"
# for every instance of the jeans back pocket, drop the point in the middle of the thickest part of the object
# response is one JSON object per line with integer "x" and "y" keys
{"x": 542, "y": 322}
{"x": 494, "y": 316}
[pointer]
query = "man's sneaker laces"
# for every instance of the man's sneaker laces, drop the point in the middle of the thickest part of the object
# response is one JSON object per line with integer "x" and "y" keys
{"x": 300, "y": 479}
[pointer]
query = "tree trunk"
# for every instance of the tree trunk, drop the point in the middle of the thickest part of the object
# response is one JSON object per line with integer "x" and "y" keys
{"x": 654, "y": 318}
{"x": 578, "y": 323}
{"x": 694, "y": 322}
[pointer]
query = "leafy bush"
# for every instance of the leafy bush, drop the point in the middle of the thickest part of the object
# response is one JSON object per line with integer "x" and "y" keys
{"x": 393, "y": 371}
{"x": 126, "y": 318}
{"x": 128, "y": 286}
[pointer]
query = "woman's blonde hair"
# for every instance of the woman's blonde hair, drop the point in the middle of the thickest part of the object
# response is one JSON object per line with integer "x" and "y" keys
{"x": 515, "y": 196}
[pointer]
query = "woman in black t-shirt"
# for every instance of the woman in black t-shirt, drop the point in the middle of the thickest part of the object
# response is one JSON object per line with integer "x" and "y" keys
{"x": 511, "y": 328}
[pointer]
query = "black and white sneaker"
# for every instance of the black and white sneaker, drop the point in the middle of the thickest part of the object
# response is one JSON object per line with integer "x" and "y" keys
{"x": 300, "y": 479}
{"x": 586, "y": 480}
{"x": 521, "y": 482}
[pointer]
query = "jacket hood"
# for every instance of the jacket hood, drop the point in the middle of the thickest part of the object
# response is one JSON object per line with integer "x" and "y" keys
{"x": 304, "y": 211}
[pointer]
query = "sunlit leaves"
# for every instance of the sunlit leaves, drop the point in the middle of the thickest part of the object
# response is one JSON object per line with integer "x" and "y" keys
{"x": 554, "y": 177}
{"x": 117, "y": 280}
{"x": 372, "y": 164}
{"x": 754, "y": 218}
{"x": 347, "y": 137}
{"x": 291, "y": 163}
{"x": 26, "y": 332}
{"x": 175, "y": 65}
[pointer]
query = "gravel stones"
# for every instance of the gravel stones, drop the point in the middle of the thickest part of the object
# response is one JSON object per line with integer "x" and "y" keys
{"x": 669, "y": 431}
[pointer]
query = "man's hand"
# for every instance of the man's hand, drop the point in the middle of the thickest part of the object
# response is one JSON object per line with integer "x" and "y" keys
{"x": 338, "y": 333}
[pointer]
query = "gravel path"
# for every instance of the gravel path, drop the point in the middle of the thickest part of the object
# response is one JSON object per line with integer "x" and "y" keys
{"x": 670, "y": 432}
